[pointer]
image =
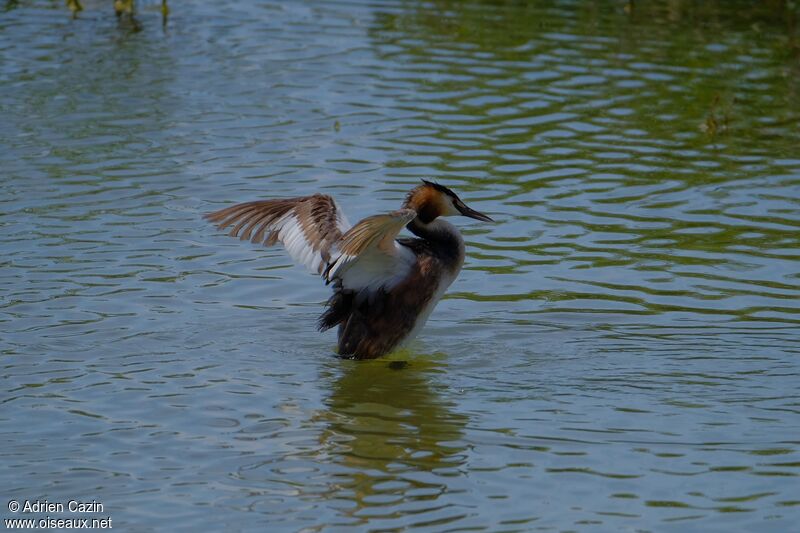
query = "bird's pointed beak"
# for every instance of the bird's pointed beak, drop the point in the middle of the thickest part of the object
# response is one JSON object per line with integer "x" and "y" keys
{"x": 471, "y": 213}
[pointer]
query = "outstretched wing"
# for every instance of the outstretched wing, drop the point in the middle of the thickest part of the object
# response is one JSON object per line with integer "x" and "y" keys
{"x": 310, "y": 227}
{"x": 369, "y": 256}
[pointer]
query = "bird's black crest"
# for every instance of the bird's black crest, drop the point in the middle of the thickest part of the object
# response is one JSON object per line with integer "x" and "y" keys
{"x": 440, "y": 188}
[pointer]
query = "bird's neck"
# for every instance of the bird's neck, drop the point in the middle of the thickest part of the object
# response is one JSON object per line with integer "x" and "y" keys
{"x": 442, "y": 235}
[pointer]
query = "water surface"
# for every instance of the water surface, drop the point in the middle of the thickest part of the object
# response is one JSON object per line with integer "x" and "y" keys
{"x": 620, "y": 351}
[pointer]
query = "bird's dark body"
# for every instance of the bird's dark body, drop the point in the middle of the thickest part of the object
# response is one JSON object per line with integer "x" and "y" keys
{"x": 375, "y": 324}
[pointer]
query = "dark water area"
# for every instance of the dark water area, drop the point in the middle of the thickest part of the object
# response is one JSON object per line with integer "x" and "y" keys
{"x": 621, "y": 351}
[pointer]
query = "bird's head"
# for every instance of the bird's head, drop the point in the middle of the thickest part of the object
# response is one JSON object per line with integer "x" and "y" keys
{"x": 431, "y": 200}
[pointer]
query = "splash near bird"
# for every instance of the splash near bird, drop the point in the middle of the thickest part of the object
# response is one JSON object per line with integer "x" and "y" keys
{"x": 384, "y": 287}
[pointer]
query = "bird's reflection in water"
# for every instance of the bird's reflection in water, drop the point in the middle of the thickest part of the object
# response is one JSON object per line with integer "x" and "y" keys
{"x": 394, "y": 435}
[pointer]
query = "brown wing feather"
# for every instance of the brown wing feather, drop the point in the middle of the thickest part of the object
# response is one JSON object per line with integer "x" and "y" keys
{"x": 377, "y": 229}
{"x": 302, "y": 223}
{"x": 376, "y": 232}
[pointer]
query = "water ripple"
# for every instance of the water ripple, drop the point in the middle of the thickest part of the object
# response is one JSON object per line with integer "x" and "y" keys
{"x": 620, "y": 350}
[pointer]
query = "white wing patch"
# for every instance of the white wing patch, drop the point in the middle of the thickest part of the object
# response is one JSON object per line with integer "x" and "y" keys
{"x": 374, "y": 270}
{"x": 290, "y": 233}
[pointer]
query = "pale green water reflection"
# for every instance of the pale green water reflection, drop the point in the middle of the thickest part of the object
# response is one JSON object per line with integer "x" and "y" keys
{"x": 620, "y": 352}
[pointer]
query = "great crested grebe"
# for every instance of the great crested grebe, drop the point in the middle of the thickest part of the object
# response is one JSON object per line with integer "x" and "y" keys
{"x": 384, "y": 287}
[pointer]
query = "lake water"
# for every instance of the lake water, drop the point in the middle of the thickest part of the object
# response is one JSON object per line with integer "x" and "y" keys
{"x": 621, "y": 351}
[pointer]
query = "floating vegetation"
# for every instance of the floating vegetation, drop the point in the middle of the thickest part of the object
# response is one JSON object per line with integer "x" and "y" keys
{"x": 74, "y": 6}
{"x": 717, "y": 120}
{"x": 124, "y": 9}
